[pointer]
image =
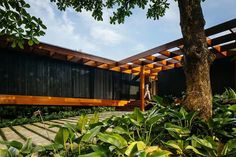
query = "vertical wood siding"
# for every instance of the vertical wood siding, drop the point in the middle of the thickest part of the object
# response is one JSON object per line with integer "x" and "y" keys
{"x": 30, "y": 74}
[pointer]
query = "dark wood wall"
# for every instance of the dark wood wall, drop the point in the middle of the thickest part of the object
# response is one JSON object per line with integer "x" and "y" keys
{"x": 172, "y": 82}
{"x": 31, "y": 74}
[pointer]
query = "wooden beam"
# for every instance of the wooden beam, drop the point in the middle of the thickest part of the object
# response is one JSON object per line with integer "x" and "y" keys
{"x": 221, "y": 39}
{"x": 90, "y": 63}
{"x": 118, "y": 69}
{"x": 210, "y": 31}
{"x": 221, "y": 27}
{"x": 142, "y": 88}
{"x": 153, "y": 51}
{"x": 51, "y": 53}
{"x": 65, "y": 51}
{"x": 103, "y": 66}
{"x": 57, "y": 101}
{"x": 70, "y": 57}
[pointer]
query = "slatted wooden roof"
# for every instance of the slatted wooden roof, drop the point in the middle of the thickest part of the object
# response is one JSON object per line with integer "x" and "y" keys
{"x": 221, "y": 41}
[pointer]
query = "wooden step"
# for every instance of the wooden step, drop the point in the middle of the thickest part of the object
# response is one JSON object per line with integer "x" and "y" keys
{"x": 129, "y": 106}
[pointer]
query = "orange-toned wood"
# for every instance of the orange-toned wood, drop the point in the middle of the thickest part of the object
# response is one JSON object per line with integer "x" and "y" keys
{"x": 163, "y": 62}
{"x": 178, "y": 58}
{"x": 103, "y": 66}
{"x": 115, "y": 69}
{"x": 127, "y": 71}
{"x": 57, "y": 101}
{"x": 136, "y": 73}
{"x": 218, "y": 48}
{"x": 137, "y": 69}
{"x": 150, "y": 65}
{"x": 142, "y": 86}
{"x": 166, "y": 53}
{"x": 153, "y": 77}
{"x": 52, "y": 53}
{"x": 153, "y": 74}
{"x": 156, "y": 70}
{"x": 152, "y": 58}
{"x": 147, "y": 72}
{"x": 90, "y": 63}
{"x": 178, "y": 65}
{"x": 69, "y": 57}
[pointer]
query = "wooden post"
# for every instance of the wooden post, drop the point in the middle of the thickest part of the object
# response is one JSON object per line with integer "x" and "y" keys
{"x": 142, "y": 86}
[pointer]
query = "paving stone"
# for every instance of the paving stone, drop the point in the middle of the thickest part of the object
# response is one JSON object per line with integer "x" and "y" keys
{"x": 37, "y": 131}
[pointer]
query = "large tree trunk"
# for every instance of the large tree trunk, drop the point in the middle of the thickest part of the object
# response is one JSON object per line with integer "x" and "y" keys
{"x": 197, "y": 58}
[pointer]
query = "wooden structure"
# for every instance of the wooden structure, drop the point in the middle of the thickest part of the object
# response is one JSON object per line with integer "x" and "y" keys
{"x": 221, "y": 41}
{"x": 59, "y": 101}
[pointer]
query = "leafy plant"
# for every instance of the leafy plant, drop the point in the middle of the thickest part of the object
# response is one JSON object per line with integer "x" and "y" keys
{"x": 165, "y": 130}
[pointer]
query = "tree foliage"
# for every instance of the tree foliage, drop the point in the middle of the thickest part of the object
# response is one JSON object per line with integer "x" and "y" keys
{"x": 121, "y": 8}
{"x": 17, "y": 24}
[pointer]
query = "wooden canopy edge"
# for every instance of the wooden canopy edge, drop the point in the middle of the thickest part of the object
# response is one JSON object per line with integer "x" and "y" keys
{"x": 153, "y": 51}
{"x": 57, "y": 101}
{"x": 210, "y": 31}
{"x": 67, "y": 51}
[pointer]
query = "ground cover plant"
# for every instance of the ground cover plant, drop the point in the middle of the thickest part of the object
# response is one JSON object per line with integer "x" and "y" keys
{"x": 18, "y": 115}
{"x": 168, "y": 129}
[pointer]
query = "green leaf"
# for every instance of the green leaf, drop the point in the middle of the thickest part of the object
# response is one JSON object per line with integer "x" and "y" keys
{"x": 57, "y": 155}
{"x": 232, "y": 108}
{"x": 37, "y": 149}
{"x": 54, "y": 147}
{"x": 178, "y": 130}
{"x": 43, "y": 26}
{"x": 154, "y": 119}
{"x": 229, "y": 146}
{"x": 119, "y": 130}
{"x": 93, "y": 154}
{"x": 27, "y": 147}
{"x": 175, "y": 144}
{"x": 4, "y": 153}
{"x": 203, "y": 142}
{"x": 82, "y": 122}
{"x": 159, "y": 153}
{"x": 20, "y": 44}
{"x": 194, "y": 150}
{"x": 94, "y": 119}
{"x": 91, "y": 134}
{"x": 26, "y": 5}
{"x": 14, "y": 144}
{"x": 13, "y": 45}
{"x": 137, "y": 145}
{"x": 101, "y": 149}
{"x": 13, "y": 151}
{"x": 35, "y": 40}
{"x": 30, "y": 42}
{"x": 62, "y": 136}
{"x": 137, "y": 117}
{"x": 114, "y": 139}
{"x": 183, "y": 112}
{"x": 55, "y": 126}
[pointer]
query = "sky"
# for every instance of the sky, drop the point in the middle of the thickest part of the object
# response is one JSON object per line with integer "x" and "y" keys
{"x": 79, "y": 31}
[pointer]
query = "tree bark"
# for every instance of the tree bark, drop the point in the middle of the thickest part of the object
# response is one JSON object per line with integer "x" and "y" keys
{"x": 197, "y": 58}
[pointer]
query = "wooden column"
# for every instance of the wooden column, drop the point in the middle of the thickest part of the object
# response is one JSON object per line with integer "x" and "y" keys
{"x": 142, "y": 86}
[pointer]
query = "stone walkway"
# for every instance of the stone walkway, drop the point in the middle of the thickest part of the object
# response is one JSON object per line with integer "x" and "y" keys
{"x": 38, "y": 133}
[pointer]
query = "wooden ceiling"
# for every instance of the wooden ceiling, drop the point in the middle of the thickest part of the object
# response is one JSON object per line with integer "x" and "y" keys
{"x": 221, "y": 41}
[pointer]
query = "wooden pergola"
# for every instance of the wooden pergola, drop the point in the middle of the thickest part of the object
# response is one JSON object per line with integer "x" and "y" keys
{"x": 221, "y": 41}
